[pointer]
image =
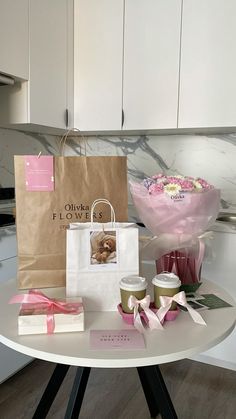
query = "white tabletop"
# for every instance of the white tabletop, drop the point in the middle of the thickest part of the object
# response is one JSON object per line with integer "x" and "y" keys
{"x": 180, "y": 339}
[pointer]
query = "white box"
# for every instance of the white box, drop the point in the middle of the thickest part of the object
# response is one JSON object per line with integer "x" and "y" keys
{"x": 32, "y": 319}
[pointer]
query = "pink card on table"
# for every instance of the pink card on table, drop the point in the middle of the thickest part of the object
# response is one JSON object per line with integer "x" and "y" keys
{"x": 39, "y": 173}
{"x": 116, "y": 339}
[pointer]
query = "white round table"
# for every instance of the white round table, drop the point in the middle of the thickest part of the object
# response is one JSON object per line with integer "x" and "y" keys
{"x": 180, "y": 339}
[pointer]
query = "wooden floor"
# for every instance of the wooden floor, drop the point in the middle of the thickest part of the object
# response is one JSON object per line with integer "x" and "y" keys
{"x": 198, "y": 391}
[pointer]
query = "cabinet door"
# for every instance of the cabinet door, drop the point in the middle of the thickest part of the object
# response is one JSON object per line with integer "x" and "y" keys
{"x": 8, "y": 269}
{"x": 151, "y": 63}
{"x": 48, "y": 62}
{"x": 98, "y": 64}
{"x": 10, "y": 361}
{"x": 208, "y": 64}
{"x": 14, "y": 38}
{"x": 8, "y": 243}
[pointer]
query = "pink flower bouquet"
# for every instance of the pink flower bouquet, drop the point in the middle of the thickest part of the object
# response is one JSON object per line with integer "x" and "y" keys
{"x": 177, "y": 210}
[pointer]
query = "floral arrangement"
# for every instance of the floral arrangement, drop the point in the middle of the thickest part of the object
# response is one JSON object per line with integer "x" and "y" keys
{"x": 174, "y": 185}
{"x": 178, "y": 211}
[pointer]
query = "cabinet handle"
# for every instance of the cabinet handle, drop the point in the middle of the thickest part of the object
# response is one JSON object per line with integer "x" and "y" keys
{"x": 67, "y": 117}
{"x": 122, "y": 118}
{"x": 6, "y": 80}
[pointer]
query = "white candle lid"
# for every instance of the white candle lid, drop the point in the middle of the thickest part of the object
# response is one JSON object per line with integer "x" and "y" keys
{"x": 133, "y": 283}
{"x": 166, "y": 280}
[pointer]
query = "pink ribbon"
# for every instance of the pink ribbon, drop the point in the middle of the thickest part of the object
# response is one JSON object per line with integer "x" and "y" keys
{"x": 153, "y": 320}
{"x": 40, "y": 300}
{"x": 179, "y": 298}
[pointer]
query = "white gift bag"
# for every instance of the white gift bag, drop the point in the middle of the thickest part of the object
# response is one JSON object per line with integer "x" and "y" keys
{"x": 98, "y": 255}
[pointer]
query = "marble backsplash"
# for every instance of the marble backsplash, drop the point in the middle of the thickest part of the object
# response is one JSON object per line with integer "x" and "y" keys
{"x": 209, "y": 156}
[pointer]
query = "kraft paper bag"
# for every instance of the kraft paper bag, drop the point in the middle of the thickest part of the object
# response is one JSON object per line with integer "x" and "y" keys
{"x": 98, "y": 255}
{"x": 42, "y": 217}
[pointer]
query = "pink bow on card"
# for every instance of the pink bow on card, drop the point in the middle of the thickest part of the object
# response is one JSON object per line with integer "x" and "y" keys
{"x": 153, "y": 321}
{"x": 40, "y": 300}
{"x": 180, "y": 299}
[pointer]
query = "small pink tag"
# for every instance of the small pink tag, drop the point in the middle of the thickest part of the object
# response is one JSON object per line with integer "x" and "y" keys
{"x": 39, "y": 173}
{"x": 116, "y": 339}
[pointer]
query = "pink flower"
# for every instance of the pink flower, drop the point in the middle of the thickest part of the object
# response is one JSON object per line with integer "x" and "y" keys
{"x": 156, "y": 188}
{"x": 173, "y": 179}
{"x": 186, "y": 185}
{"x": 172, "y": 185}
{"x": 159, "y": 176}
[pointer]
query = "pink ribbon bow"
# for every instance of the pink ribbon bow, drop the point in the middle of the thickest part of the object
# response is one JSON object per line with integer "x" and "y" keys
{"x": 41, "y": 300}
{"x": 179, "y": 298}
{"x": 153, "y": 320}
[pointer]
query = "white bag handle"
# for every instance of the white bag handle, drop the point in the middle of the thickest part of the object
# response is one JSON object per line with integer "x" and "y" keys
{"x": 103, "y": 201}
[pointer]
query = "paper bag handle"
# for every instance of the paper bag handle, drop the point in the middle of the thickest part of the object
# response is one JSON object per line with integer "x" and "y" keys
{"x": 103, "y": 201}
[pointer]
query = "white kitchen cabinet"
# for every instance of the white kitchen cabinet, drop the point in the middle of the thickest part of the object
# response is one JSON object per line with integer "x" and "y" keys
{"x": 126, "y": 58}
{"x": 10, "y": 360}
{"x": 14, "y": 38}
{"x": 98, "y": 43}
{"x": 151, "y": 63}
{"x": 48, "y": 62}
{"x": 43, "y": 100}
{"x": 118, "y": 64}
{"x": 8, "y": 268}
{"x": 208, "y": 64}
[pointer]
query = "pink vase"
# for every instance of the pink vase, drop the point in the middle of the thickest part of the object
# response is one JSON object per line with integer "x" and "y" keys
{"x": 181, "y": 262}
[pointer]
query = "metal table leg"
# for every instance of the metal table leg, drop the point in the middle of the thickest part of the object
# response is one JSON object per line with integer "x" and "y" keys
{"x": 51, "y": 390}
{"x": 148, "y": 391}
{"x": 77, "y": 393}
{"x": 156, "y": 393}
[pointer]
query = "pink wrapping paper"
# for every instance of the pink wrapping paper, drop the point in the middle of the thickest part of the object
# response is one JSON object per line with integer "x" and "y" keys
{"x": 176, "y": 223}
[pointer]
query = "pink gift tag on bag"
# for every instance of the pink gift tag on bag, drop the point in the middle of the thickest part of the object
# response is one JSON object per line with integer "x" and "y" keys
{"x": 39, "y": 173}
